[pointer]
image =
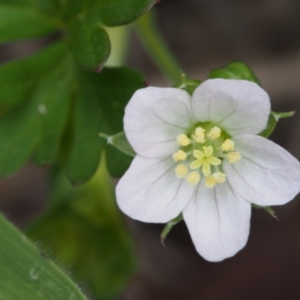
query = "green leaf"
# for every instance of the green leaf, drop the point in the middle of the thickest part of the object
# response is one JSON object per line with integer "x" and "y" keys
{"x": 168, "y": 227}
{"x": 117, "y": 162}
{"x": 85, "y": 154}
{"x": 121, "y": 12}
{"x": 27, "y": 274}
{"x": 99, "y": 108}
{"x": 234, "y": 70}
{"x": 19, "y": 135}
{"x": 89, "y": 44}
{"x": 272, "y": 122}
{"x": 18, "y": 79}
{"x": 23, "y": 21}
{"x": 84, "y": 230}
{"x": 38, "y": 121}
{"x": 54, "y": 97}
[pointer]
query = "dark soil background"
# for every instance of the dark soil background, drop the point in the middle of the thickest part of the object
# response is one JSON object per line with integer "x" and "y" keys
{"x": 206, "y": 34}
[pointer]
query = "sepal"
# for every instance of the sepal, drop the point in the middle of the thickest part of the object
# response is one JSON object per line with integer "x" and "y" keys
{"x": 168, "y": 227}
{"x": 272, "y": 122}
{"x": 120, "y": 142}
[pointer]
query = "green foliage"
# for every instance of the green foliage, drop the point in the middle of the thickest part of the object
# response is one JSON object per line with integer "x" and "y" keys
{"x": 26, "y": 273}
{"x": 37, "y": 93}
{"x": 100, "y": 108}
{"x": 89, "y": 44}
{"x": 120, "y": 12}
{"x": 83, "y": 230}
{"x": 234, "y": 70}
{"x": 24, "y": 19}
{"x": 47, "y": 96}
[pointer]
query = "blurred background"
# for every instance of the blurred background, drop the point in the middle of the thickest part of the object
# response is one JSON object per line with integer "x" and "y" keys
{"x": 203, "y": 35}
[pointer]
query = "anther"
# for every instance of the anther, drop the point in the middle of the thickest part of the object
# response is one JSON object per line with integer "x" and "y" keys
{"x": 214, "y": 133}
{"x": 234, "y": 156}
{"x": 210, "y": 182}
{"x": 181, "y": 171}
{"x": 183, "y": 140}
{"x": 199, "y": 135}
{"x": 179, "y": 155}
{"x": 228, "y": 145}
{"x": 194, "y": 178}
{"x": 219, "y": 177}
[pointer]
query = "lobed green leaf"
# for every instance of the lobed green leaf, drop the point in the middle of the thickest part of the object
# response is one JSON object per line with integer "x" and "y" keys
{"x": 100, "y": 108}
{"x": 18, "y": 79}
{"x": 89, "y": 44}
{"x": 235, "y": 70}
{"x": 19, "y": 21}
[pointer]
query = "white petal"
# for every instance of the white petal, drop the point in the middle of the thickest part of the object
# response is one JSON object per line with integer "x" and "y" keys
{"x": 150, "y": 191}
{"x": 153, "y": 119}
{"x": 218, "y": 221}
{"x": 266, "y": 175}
{"x": 238, "y": 106}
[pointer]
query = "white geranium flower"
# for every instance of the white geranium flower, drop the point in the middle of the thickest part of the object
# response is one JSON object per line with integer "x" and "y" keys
{"x": 201, "y": 156}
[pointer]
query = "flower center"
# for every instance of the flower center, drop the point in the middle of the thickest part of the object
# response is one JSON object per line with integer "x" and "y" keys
{"x": 202, "y": 153}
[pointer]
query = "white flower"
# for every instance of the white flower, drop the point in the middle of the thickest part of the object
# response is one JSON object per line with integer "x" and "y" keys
{"x": 201, "y": 156}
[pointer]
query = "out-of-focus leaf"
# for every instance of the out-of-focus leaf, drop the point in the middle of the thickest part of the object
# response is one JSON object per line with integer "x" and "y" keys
{"x": 99, "y": 108}
{"x": 89, "y": 44}
{"x": 272, "y": 122}
{"x": 120, "y": 12}
{"x": 117, "y": 162}
{"x": 85, "y": 154}
{"x": 235, "y": 70}
{"x": 27, "y": 274}
{"x": 21, "y": 20}
{"x": 25, "y": 126}
{"x": 84, "y": 231}
{"x": 54, "y": 97}
{"x": 18, "y": 79}
{"x": 19, "y": 135}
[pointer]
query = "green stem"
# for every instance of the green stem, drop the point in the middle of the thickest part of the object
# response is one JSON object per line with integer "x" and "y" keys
{"x": 156, "y": 48}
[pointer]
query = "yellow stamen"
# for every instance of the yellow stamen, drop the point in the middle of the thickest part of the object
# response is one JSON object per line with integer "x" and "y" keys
{"x": 234, "y": 156}
{"x": 183, "y": 140}
{"x": 179, "y": 155}
{"x": 228, "y": 145}
{"x": 181, "y": 171}
{"x": 210, "y": 182}
{"x": 194, "y": 178}
{"x": 214, "y": 133}
{"x": 219, "y": 177}
{"x": 199, "y": 135}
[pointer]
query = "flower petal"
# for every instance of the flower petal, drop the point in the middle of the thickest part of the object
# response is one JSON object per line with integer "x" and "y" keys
{"x": 238, "y": 106}
{"x": 154, "y": 117}
{"x": 266, "y": 174}
{"x": 150, "y": 191}
{"x": 218, "y": 221}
